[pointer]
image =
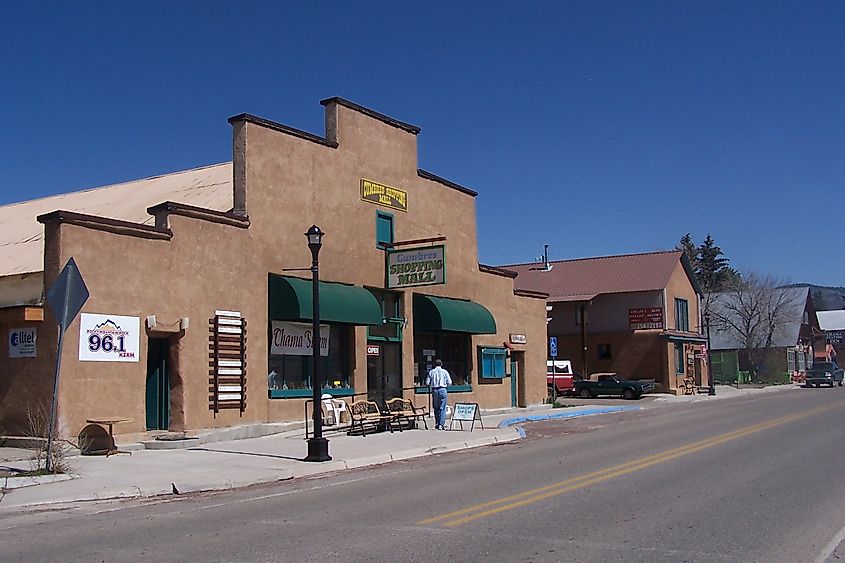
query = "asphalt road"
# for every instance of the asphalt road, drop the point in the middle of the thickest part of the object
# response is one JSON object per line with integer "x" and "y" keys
{"x": 746, "y": 479}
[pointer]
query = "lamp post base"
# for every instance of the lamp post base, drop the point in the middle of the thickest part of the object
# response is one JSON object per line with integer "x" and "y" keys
{"x": 712, "y": 392}
{"x": 318, "y": 450}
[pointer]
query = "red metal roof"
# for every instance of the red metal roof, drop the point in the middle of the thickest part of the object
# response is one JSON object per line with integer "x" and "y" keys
{"x": 584, "y": 278}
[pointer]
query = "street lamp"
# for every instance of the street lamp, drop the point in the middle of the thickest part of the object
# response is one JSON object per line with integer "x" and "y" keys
{"x": 318, "y": 446}
{"x": 712, "y": 391}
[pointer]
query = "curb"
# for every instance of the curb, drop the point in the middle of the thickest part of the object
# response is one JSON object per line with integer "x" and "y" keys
{"x": 554, "y": 416}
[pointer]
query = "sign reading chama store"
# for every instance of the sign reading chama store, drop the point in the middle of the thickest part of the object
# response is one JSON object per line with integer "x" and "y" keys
{"x": 416, "y": 266}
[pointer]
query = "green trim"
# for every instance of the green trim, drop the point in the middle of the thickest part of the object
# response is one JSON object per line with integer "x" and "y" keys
{"x": 436, "y": 314}
{"x": 307, "y": 393}
{"x": 383, "y": 214}
{"x": 491, "y": 362}
{"x": 289, "y": 299}
{"x": 451, "y": 389}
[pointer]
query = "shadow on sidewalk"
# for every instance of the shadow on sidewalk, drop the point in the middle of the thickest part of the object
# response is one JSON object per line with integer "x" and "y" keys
{"x": 244, "y": 453}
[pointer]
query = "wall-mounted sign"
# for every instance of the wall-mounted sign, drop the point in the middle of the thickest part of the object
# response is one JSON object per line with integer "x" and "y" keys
{"x": 227, "y": 361}
{"x": 416, "y": 266}
{"x": 22, "y": 343}
{"x": 296, "y": 339}
{"x": 380, "y": 194}
{"x": 108, "y": 338}
{"x": 518, "y": 339}
{"x": 834, "y": 337}
{"x": 645, "y": 318}
{"x": 373, "y": 349}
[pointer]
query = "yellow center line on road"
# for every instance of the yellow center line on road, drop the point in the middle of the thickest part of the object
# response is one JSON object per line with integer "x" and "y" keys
{"x": 490, "y": 508}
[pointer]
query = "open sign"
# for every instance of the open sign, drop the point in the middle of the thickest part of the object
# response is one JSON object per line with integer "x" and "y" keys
{"x": 373, "y": 350}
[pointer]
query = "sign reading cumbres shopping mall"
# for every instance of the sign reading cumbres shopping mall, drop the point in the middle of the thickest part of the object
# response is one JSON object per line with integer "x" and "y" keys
{"x": 417, "y": 266}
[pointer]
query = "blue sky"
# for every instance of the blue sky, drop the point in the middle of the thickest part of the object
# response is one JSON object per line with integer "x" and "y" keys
{"x": 595, "y": 127}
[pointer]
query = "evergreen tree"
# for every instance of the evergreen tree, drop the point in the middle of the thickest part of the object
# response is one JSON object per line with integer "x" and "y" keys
{"x": 713, "y": 266}
{"x": 690, "y": 250}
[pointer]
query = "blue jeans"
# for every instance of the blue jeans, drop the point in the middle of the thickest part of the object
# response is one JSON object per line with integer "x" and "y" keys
{"x": 439, "y": 398}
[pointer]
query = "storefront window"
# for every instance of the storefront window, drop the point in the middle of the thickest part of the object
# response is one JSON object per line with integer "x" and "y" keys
{"x": 391, "y": 328}
{"x": 679, "y": 358}
{"x": 292, "y": 372}
{"x": 451, "y": 348}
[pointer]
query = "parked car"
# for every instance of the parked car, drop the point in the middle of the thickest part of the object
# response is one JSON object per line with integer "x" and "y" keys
{"x": 560, "y": 376}
{"x": 612, "y": 384}
{"x": 824, "y": 373}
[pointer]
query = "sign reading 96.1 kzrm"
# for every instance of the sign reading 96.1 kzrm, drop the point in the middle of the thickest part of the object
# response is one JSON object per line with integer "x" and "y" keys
{"x": 109, "y": 338}
{"x": 417, "y": 266}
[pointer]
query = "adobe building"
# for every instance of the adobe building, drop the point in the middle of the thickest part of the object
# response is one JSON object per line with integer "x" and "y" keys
{"x": 637, "y": 315}
{"x": 200, "y": 304}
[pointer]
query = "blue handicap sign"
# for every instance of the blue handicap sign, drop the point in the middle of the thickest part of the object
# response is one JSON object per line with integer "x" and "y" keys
{"x": 553, "y": 346}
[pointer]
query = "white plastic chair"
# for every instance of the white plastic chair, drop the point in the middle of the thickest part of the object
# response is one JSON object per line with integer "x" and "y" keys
{"x": 334, "y": 409}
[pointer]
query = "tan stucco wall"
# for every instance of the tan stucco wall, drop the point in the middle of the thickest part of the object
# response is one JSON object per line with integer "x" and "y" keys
{"x": 285, "y": 183}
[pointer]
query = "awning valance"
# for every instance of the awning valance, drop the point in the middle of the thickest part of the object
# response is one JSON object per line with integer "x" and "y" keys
{"x": 435, "y": 314}
{"x": 682, "y": 336}
{"x": 290, "y": 300}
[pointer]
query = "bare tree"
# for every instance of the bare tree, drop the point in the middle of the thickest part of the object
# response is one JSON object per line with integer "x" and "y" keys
{"x": 755, "y": 311}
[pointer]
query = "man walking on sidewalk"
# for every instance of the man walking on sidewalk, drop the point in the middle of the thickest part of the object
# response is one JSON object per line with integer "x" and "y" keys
{"x": 438, "y": 380}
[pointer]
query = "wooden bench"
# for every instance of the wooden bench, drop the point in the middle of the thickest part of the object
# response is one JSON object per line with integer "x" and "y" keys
{"x": 404, "y": 410}
{"x": 365, "y": 413}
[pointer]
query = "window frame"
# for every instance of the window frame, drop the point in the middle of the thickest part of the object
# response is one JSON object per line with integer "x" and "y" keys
{"x": 492, "y": 362}
{"x": 680, "y": 360}
{"x": 389, "y": 217}
{"x": 681, "y": 314}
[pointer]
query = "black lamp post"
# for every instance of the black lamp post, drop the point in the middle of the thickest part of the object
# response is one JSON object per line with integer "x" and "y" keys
{"x": 712, "y": 391}
{"x": 318, "y": 447}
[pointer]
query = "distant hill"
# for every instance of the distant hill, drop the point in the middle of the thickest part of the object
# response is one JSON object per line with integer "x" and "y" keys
{"x": 825, "y": 298}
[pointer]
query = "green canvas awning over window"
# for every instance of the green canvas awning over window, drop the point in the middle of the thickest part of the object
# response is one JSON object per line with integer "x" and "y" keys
{"x": 436, "y": 314}
{"x": 290, "y": 300}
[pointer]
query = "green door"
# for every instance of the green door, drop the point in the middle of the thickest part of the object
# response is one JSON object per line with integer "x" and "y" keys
{"x": 158, "y": 384}
{"x": 514, "y": 377}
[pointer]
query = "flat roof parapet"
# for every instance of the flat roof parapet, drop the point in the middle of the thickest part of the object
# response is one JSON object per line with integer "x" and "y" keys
{"x": 413, "y": 129}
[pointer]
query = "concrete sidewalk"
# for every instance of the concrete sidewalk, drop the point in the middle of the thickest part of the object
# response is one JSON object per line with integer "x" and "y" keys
{"x": 219, "y": 463}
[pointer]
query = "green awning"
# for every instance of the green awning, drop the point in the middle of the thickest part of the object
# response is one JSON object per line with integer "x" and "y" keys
{"x": 290, "y": 300}
{"x": 435, "y": 314}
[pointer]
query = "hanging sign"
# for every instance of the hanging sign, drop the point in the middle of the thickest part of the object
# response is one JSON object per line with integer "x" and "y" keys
{"x": 373, "y": 349}
{"x": 22, "y": 343}
{"x": 416, "y": 266}
{"x": 296, "y": 339}
{"x": 380, "y": 194}
{"x": 108, "y": 338}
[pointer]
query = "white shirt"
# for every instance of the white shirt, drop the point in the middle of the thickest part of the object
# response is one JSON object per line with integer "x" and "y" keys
{"x": 438, "y": 377}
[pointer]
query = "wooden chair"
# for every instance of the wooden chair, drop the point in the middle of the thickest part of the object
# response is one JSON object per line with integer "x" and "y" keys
{"x": 365, "y": 413}
{"x": 403, "y": 410}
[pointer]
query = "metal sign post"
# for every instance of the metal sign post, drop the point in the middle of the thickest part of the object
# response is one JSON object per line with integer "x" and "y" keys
{"x": 65, "y": 299}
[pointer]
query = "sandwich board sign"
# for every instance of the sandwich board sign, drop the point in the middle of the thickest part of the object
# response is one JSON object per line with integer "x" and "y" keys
{"x": 466, "y": 412}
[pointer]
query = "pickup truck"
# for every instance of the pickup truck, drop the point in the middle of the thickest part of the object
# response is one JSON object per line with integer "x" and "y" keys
{"x": 612, "y": 384}
{"x": 824, "y": 373}
{"x": 560, "y": 376}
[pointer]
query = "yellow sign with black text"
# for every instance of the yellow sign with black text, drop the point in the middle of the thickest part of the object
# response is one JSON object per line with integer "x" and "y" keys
{"x": 380, "y": 194}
